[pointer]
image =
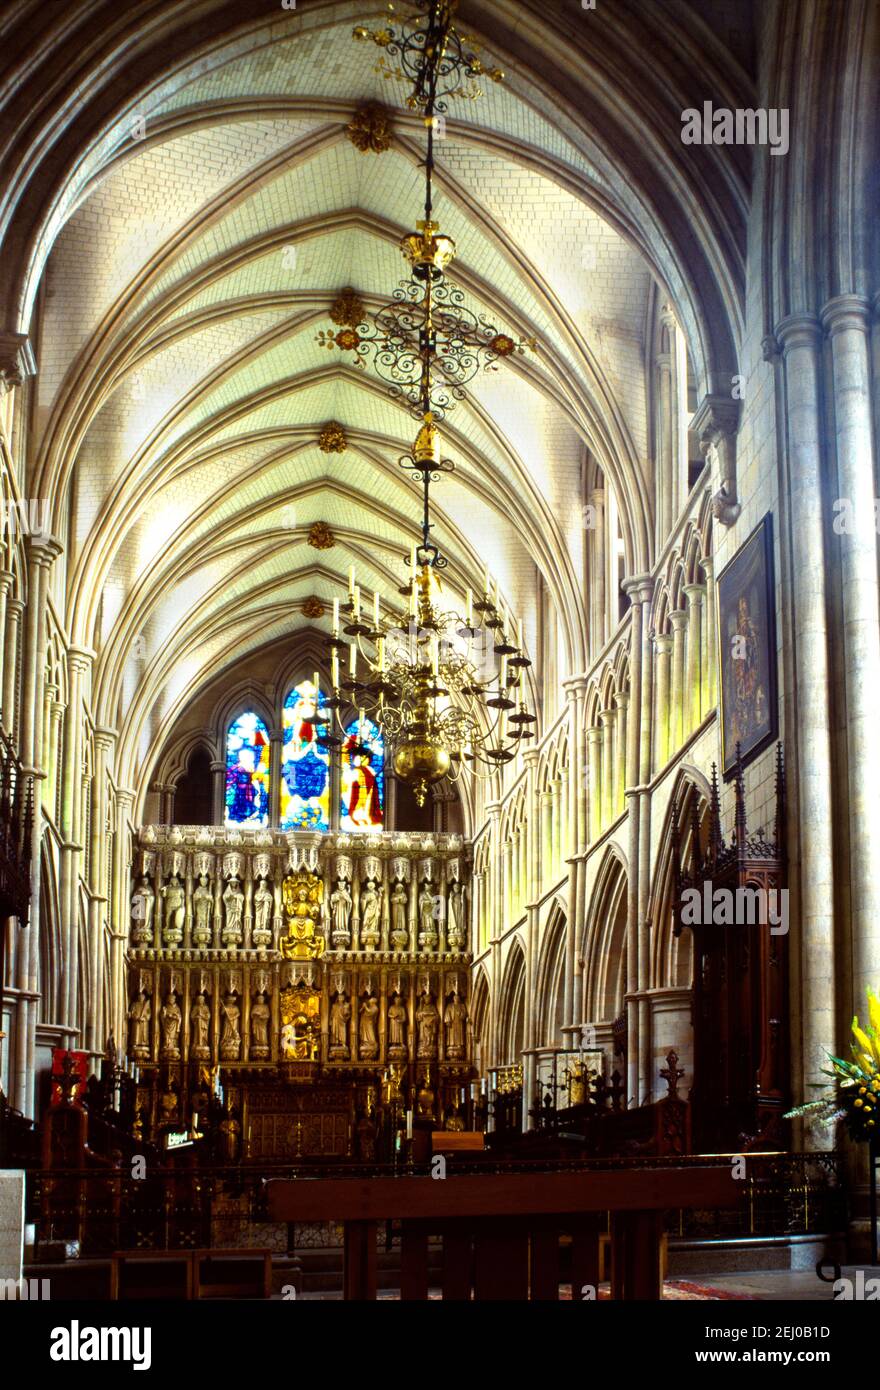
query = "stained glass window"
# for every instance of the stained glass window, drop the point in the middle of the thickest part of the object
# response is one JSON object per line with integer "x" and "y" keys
{"x": 362, "y": 803}
{"x": 247, "y": 771}
{"x": 305, "y": 765}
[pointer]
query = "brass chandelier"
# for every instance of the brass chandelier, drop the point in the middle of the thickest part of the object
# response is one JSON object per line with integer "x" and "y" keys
{"x": 446, "y": 689}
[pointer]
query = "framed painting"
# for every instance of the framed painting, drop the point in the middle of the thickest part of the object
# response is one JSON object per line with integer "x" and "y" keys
{"x": 746, "y": 596}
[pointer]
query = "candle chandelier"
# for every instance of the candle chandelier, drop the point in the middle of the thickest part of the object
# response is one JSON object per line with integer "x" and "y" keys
{"x": 446, "y": 689}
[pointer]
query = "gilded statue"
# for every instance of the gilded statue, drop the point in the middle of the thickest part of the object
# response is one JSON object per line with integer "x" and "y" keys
{"x": 139, "y": 1020}
{"x": 175, "y": 910}
{"x": 455, "y": 1018}
{"x": 230, "y": 1038}
{"x": 427, "y": 1021}
{"x": 199, "y": 1023}
{"x": 399, "y": 928}
{"x": 143, "y": 901}
{"x": 264, "y": 904}
{"x": 368, "y": 1040}
{"x": 233, "y": 901}
{"x": 171, "y": 1018}
{"x": 203, "y": 907}
{"x": 302, "y": 897}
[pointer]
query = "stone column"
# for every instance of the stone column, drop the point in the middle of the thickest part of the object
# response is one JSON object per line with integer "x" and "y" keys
{"x": 666, "y": 488}
{"x": 800, "y": 338}
{"x": 42, "y": 551}
{"x": 493, "y": 816}
{"x": 710, "y": 684}
{"x": 645, "y": 593}
{"x": 846, "y": 319}
{"x": 546, "y": 840}
{"x": 621, "y": 700}
{"x": 7, "y": 579}
{"x": 276, "y": 753}
{"x": 79, "y": 663}
{"x": 11, "y": 704}
{"x": 120, "y": 914}
{"x": 662, "y": 713}
{"x": 218, "y": 786}
{"x": 594, "y": 763}
{"x": 678, "y": 619}
{"x": 693, "y": 713}
{"x": 598, "y": 573}
{"x": 607, "y": 718}
{"x": 95, "y": 1039}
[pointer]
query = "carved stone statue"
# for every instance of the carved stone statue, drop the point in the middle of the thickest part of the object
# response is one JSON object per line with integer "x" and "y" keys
{"x": 340, "y": 1014}
{"x": 143, "y": 901}
{"x": 175, "y": 911}
{"x": 139, "y": 1019}
{"x": 427, "y": 920}
{"x": 203, "y": 907}
{"x": 199, "y": 1023}
{"x": 455, "y": 929}
{"x": 340, "y": 906}
{"x": 371, "y": 906}
{"x": 171, "y": 1018}
{"x": 264, "y": 905}
{"x": 233, "y": 900}
{"x": 396, "y": 1028}
{"x": 367, "y": 1036}
{"x": 455, "y": 1018}
{"x": 399, "y": 928}
{"x": 427, "y": 1021}
{"x": 230, "y": 1038}
{"x": 260, "y": 1015}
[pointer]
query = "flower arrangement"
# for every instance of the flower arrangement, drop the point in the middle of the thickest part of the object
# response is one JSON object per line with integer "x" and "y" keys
{"x": 855, "y": 1098}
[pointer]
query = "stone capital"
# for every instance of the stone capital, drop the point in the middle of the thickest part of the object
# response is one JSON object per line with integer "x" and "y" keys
{"x": 16, "y": 360}
{"x": 678, "y": 619}
{"x": 846, "y": 313}
{"x": 43, "y": 549}
{"x": 639, "y": 587}
{"x": 621, "y": 699}
{"x": 696, "y": 592}
{"x": 715, "y": 422}
{"x": 80, "y": 659}
{"x": 798, "y": 331}
{"x": 663, "y": 643}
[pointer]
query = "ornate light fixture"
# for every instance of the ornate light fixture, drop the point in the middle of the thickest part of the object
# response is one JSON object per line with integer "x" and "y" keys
{"x": 446, "y": 690}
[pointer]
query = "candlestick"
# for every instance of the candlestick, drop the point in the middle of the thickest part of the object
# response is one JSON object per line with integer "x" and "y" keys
{"x": 409, "y": 1124}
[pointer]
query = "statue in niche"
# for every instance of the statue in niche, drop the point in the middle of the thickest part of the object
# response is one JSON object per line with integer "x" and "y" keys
{"x": 143, "y": 901}
{"x": 455, "y": 932}
{"x": 203, "y": 907}
{"x": 427, "y": 1021}
{"x": 365, "y": 1135}
{"x": 340, "y": 906}
{"x": 396, "y": 1027}
{"x": 230, "y": 1038}
{"x": 455, "y": 1018}
{"x": 340, "y": 1014}
{"x": 139, "y": 1020}
{"x": 175, "y": 911}
{"x": 371, "y": 907}
{"x": 168, "y": 1105}
{"x": 264, "y": 905}
{"x": 230, "y": 1130}
{"x": 200, "y": 1023}
{"x": 367, "y": 1036}
{"x": 171, "y": 1019}
{"x": 399, "y": 928}
{"x": 260, "y": 1015}
{"x": 233, "y": 900}
{"x": 427, "y": 917}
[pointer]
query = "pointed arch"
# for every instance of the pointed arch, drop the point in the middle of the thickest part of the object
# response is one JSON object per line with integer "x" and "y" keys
{"x": 604, "y": 944}
{"x": 511, "y": 1007}
{"x": 551, "y": 979}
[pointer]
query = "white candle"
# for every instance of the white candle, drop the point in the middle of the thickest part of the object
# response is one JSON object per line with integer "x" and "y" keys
{"x": 381, "y": 646}
{"x": 360, "y": 722}
{"x": 334, "y": 667}
{"x": 336, "y": 617}
{"x": 376, "y": 609}
{"x": 352, "y": 659}
{"x": 435, "y": 655}
{"x": 495, "y": 592}
{"x": 317, "y": 688}
{"x": 503, "y": 680}
{"x": 482, "y": 1085}
{"x": 356, "y": 600}
{"x": 412, "y": 561}
{"x": 469, "y": 608}
{"x": 409, "y": 1124}
{"x": 350, "y": 580}
{"x": 486, "y": 584}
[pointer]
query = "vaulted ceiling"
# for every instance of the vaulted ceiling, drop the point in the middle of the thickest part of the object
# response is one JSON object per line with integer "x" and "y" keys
{"x": 192, "y": 258}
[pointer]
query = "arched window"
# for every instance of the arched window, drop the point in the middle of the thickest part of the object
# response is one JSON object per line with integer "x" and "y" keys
{"x": 362, "y": 760}
{"x": 305, "y": 765}
{"x": 247, "y": 771}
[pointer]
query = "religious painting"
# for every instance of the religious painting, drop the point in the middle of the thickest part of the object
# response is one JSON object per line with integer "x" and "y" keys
{"x": 305, "y": 764}
{"x": 247, "y": 771}
{"x": 362, "y": 760}
{"x": 747, "y": 649}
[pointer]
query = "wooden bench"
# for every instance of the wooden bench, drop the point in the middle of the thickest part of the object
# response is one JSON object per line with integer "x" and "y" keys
{"x": 501, "y": 1232}
{"x": 457, "y": 1142}
{"x": 190, "y": 1274}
